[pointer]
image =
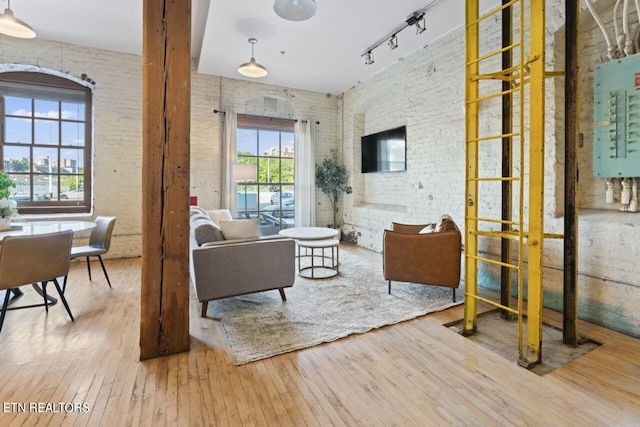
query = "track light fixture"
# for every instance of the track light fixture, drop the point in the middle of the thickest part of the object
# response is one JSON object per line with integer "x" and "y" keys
{"x": 416, "y": 19}
{"x": 421, "y": 25}
{"x": 393, "y": 42}
{"x": 369, "y": 58}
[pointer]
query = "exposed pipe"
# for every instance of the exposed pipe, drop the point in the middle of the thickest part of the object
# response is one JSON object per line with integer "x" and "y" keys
{"x": 628, "y": 43}
{"x": 616, "y": 28}
{"x": 611, "y": 50}
{"x": 633, "y": 206}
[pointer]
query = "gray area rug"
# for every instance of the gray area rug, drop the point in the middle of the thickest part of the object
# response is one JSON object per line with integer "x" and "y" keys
{"x": 261, "y": 325}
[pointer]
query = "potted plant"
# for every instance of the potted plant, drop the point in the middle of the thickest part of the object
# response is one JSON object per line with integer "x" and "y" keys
{"x": 8, "y": 208}
{"x": 331, "y": 178}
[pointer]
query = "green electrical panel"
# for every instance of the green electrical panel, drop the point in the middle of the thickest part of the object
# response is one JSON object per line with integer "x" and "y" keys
{"x": 616, "y": 116}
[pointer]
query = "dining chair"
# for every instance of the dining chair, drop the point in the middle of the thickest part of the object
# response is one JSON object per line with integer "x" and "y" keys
{"x": 99, "y": 244}
{"x": 26, "y": 260}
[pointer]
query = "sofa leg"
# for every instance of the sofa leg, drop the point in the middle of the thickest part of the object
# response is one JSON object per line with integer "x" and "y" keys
{"x": 205, "y": 305}
{"x": 282, "y": 295}
{"x": 389, "y": 287}
{"x": 454, "y": 294}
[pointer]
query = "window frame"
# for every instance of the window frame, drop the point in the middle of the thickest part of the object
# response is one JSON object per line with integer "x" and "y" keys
{"x": 43, "y": 80}
{"x": 260, "y": 123}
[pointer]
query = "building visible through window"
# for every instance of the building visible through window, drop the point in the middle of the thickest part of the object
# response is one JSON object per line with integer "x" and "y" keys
{"x": 268, "y": 144}
{"x": 46, "y": 142}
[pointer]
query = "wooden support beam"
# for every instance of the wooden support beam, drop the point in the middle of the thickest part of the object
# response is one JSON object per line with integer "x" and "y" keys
{"x": 164, "y": 325}
{"x": 571, "y": 132}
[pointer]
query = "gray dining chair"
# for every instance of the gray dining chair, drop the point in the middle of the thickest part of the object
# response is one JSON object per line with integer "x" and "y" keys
{"x": 99, "y": 244}
{"x": 26, "y": 260}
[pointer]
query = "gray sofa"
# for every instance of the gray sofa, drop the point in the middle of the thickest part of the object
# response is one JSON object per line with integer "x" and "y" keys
{"x": 225, "y": 268}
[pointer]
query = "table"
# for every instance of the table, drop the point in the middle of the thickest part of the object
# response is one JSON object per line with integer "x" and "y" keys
{"x": 28, "y": 228}
{"x": 311, "y": 239}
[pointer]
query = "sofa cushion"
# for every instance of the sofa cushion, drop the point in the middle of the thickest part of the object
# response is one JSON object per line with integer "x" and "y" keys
{"x": 431, "y": 228}
{"x": 205, "y": 231}
{"x": 219, "y": 214}
{"x": 240, "y": 228}
{"x": 196, "y": 210}
{"x": 446, "y": 223}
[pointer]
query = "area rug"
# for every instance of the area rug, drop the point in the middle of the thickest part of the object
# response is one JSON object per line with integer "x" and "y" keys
{"x": 261, "y": 325}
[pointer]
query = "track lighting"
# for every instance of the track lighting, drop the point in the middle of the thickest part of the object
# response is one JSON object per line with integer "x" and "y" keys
{"x": 416, "y": 19}
{"x": 393, "y": 42}
{"x": 368, "y": 59}
{"x": 421, "y": 25}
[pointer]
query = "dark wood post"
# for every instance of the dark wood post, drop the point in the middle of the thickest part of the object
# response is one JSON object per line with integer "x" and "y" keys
{"x": 571, "y": 132}
{"x": 164, "y": 325}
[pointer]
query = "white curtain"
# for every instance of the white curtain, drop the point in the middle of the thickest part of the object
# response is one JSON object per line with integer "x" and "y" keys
{"x": 305, "y": 174}
{"x": 229, "y": 190}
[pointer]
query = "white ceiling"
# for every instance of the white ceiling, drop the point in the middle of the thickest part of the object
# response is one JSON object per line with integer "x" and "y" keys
{"x": 322, "y": 54}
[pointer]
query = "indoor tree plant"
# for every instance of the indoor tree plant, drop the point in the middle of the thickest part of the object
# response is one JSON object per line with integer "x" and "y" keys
{"x": 331, "y": 178}
{"x": 8, "y": 208}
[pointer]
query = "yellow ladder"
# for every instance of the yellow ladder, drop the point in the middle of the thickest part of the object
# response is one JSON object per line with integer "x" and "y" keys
{"x": 526, "y": 85}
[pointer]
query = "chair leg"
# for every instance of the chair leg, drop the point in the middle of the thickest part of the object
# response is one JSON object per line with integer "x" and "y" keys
{"x": 454, "y": 294}
{"x": 64, "y": 300}
{"x": 44, "y": 295}
{"x": 4, "y": 308}
{"x": 89, "y": 268}
{"x": 282, "y": 295}
{"x": 389, "y": 287}
{"x": 205, "y": 305}
{"x": 104, "y": 270}
{"x": 64, "y": 284}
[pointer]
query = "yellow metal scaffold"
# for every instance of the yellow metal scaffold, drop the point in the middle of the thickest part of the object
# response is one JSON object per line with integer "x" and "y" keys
{"x": 526, "y": 85}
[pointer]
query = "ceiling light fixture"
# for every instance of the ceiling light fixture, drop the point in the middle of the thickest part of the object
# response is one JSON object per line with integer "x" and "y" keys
{"x": 416, "y": 19}
{"x": 368, "y": 59}
{"x": 252, "y": 68}
{"x": 12, "y": 26}
{"x": 393, "y": 42}
{"x": 295, "y": 10}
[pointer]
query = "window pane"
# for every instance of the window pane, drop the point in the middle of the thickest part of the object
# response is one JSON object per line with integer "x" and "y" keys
{"x": 17, "y": 130}
{"x": 22, "y": 190}
{"x": 286, "y": 170}
{"x": 288, "y": 144}
{"x": 17, "y": 106}
{"x": 46, "y": 109}
{"x": 16, "y": 159}
{"x": 68, "y": 183}
{"x": 269, "y": 143}
{"x": 45, "y": 160}
{"x": 72, "y": 133}
{"x": 73, "y": 110}
{"x": 269, "y": 170}
{"x": 247, "y": 141}
{"x": 46, "y": 132}
{"x": 45, "y": 187}
{"x": 72, "y": 160}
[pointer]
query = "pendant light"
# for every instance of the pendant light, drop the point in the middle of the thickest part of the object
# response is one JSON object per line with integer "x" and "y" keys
{"x": 12, "y": 26}
{"x": 295, "y": 10}
{"x": 252, "y": 68}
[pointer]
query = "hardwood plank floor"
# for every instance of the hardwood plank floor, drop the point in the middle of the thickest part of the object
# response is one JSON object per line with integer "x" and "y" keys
{"x": 415, "y": 373}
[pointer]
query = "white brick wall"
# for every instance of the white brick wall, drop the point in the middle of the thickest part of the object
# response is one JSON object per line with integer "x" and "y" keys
{"x": 425, "y": 91}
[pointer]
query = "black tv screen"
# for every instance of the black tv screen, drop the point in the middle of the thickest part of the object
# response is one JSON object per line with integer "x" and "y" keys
{"x": 385, "y": 151}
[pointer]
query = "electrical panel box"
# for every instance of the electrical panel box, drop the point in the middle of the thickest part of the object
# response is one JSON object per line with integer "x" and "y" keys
{"x": 616, "y": 116}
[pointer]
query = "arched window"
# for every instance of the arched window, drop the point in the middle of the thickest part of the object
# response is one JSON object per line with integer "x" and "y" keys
{"x": 46, "y": 142}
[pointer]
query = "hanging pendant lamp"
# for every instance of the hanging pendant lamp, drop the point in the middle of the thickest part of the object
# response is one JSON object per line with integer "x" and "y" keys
{"x": 295, "y": 10}
{"x": 252, "y": 68}
{"x": 12, "y": 26}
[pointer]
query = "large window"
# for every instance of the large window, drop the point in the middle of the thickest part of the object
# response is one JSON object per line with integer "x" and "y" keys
{"x": 268, "y": 144}
{"x": 46, "y": 142}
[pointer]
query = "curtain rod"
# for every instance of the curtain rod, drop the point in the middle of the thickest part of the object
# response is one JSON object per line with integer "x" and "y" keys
{"x": 265, "y": 117}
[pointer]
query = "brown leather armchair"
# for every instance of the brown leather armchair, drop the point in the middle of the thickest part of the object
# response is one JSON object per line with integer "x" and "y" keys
{"x": 431, "y": 259}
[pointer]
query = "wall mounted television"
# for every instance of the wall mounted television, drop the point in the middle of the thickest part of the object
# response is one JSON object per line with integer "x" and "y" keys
{"x": 385, "y": 151}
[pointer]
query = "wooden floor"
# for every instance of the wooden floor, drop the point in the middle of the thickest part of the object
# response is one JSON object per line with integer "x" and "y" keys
{"x": 416, "y": 373}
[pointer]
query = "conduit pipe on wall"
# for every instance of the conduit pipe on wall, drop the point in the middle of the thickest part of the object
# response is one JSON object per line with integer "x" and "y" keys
{"x": 616, "y": 28}
{"x": 628, "y": 43}
{"x": 611, "y": 49}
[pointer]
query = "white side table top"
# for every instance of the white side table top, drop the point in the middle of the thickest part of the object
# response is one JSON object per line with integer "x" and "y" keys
{"x": 310, "y": 233}
{"x": 44, "y": 227}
